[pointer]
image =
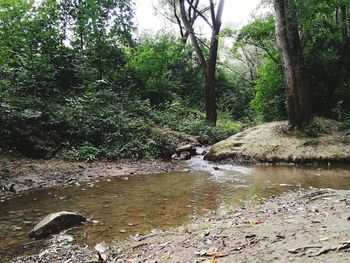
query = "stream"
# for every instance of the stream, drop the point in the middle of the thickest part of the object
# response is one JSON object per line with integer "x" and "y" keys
{"x": 124, "y": 206}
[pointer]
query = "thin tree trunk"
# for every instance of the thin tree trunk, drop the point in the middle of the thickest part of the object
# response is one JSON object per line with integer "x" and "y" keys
{"x": 211, "y": 109}
{"x": 208, "y": 67}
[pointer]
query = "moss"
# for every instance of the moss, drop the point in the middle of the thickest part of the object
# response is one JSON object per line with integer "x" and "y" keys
{"x": 273, "y": 143}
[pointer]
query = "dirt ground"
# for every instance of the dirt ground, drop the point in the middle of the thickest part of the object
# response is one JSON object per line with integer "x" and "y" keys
{"x": 303, "y": 226}
{"x": 20, "y": 174}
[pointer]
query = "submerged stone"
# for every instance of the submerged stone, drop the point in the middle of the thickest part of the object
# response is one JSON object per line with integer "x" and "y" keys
{"x": 55, "y": 222}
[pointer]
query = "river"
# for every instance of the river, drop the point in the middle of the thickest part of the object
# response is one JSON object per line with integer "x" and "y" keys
{"x": 127, "y": 205}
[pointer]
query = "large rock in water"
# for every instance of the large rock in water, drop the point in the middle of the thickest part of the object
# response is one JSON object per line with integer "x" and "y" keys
{"x": 56, "y": 222}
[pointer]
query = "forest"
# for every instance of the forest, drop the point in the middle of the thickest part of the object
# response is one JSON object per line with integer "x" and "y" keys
{"x": 203, "y": 141}
{"x": 76, "y": 83}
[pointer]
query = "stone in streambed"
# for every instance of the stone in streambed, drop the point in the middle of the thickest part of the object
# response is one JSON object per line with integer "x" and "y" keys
{"x": 185, "y": 155}
{"x": 175, "y": 157}
{"x": 184, "y": 148}
{"x": 56, "y": 222}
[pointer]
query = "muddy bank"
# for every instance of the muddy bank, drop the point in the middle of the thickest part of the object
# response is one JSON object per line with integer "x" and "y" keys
{"x": 274, "y": 143}
{"x": 19, "y": 174}
{"x": 303, "y": 226}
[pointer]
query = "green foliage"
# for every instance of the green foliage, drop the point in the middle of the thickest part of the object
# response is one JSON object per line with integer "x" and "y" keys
{"x": 269, "y": 101}
{"x": 181, "y": 118}
{"x": 313, "y": 129}
{"x": 73, "y": 82}
{"x": 118, "y": 130}
{"x": 164, "y": 69}
{"x": 259, "y": 33}
{"x": 256, "y": 47}
{"x": 323, "y": 49}
{"x": 85, "y": 152}
{"x": 234, "y": 96}
{"x": 345, "y": 126}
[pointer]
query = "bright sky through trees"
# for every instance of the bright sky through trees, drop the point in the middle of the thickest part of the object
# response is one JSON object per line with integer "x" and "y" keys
{"x": 236, "y": 13}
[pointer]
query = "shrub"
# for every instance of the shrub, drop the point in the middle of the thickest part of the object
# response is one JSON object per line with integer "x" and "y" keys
{"x": 344, "y": 126}
{"x": 313, "y": 129}
{"x": 85, "y": 152}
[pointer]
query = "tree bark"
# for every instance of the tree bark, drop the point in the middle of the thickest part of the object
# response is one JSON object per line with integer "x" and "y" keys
{"x": 344, "y": 71}
{"x": 342, "y": 13}
{"x": 288, "y": 40}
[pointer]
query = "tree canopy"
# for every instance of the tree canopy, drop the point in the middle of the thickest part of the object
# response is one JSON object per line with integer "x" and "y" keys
{"x": 76, "y": 82}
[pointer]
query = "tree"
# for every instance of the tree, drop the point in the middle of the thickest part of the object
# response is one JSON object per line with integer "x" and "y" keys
{"x": 287, "y": 36}
{"x": 208, "y": 66}
{"x": 171, "y": 11}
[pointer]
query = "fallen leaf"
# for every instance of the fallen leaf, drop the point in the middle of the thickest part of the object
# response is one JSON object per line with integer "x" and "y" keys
{"x": 217, "y": 254}
{"x": 256, "y": 222}
{"x": 166, "y": 257}
{"x": 324, "y": 239}
{"x": 211, "y": 260}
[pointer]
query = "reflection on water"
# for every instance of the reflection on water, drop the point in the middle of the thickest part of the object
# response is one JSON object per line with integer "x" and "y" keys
{"x": 133, "y": 204}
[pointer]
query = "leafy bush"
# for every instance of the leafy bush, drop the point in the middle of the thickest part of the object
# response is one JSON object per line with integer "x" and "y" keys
{"x": 86, "y": 152}
{"x": 181, "y": 118}
{"x": 313, "y": 129}
{"x": 344, "y": 126}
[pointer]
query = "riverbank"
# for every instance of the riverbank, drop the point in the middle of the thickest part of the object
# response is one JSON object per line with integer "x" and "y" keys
{"x": 302, "y": 226}
{"x": 275, "y": 143}
{"x": 21, "y": 174}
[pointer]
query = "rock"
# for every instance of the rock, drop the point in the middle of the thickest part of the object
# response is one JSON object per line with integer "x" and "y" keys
{"x": 65, "y": 238}
{"x": 184, "y": 148}
{"x": 200, "y": 151}
{"x": 175, "y": 156}
{"x": 102, "y": 251}
{"x": 185, "y": 155}
{"x": 56, "y": 222}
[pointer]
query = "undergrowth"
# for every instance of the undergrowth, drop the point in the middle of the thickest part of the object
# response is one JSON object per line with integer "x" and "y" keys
{"x": 104, "y": 125}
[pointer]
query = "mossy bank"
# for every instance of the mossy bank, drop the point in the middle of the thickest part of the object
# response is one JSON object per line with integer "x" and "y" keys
{"x": 322, "y": 142}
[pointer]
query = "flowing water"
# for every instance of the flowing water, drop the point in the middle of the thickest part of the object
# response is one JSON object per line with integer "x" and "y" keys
{"x": 125, "y": 206}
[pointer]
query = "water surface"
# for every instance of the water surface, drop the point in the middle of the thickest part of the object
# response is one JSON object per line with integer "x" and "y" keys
{"x": 139, "y": 203}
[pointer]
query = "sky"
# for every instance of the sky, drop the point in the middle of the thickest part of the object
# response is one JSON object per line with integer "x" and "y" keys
{"x": 236, "y": 13}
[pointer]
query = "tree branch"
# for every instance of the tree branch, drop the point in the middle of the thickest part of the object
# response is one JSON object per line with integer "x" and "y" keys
{"x": 194, "y": 40}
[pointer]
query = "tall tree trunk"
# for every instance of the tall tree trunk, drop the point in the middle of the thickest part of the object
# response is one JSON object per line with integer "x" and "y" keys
{"x": 343, "y": 14}
{"x": 303, "y": 86}
{"x": 211, "y": 108}
{"x": 343, "y": 71}
{"x": 297, "y": 90}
